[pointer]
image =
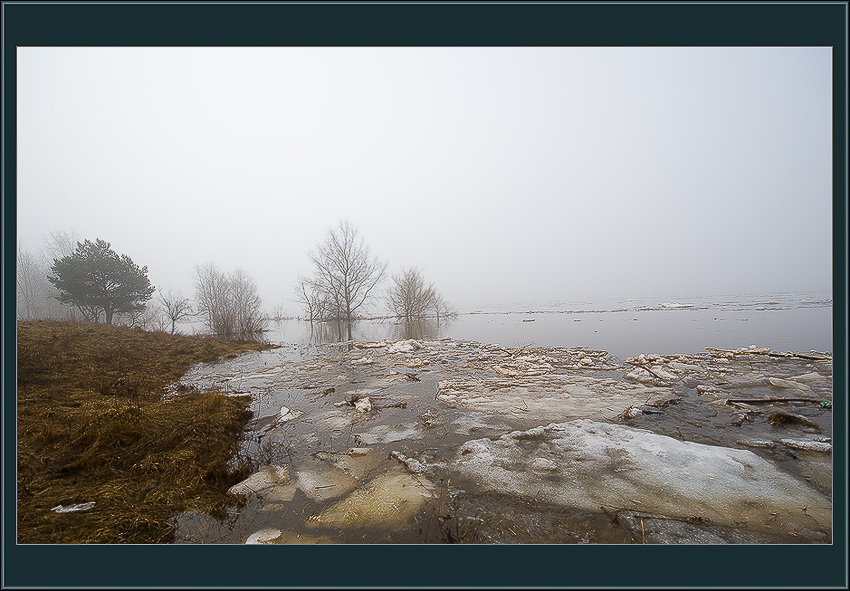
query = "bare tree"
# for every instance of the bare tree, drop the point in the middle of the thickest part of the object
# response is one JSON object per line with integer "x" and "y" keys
{"x": 228, "y": 304}
{"x": 58, "y": 245}
{"x": 35, "y": 296}
{"x": 442, "y": 308}
{"x": 30, "y": 277}
{"x": 279, "y": 312}
{"x": 247, "y": 305}
{"x": 346, "y": 274}
{"x": 175, "y": 306}
{"x": 409, "y": 297}
{"x": 155, "y": 318}
{"x": 211, "y": 297}
{"x": 310, "y": 296}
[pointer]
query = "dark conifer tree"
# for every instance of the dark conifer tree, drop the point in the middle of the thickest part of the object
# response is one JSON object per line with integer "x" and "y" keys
{"x": 96, "y": 279}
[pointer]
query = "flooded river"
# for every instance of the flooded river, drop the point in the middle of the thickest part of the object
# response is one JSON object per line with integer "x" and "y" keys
{"x": 624, "y": 328}
{"x": 410, "y": 436}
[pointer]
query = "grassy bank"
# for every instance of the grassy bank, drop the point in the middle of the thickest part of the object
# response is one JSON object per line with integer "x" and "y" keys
{"x": 93, "y": 426}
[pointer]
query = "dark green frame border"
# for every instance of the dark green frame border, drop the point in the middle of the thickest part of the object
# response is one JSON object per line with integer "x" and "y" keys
{"x": 452, "y": 24}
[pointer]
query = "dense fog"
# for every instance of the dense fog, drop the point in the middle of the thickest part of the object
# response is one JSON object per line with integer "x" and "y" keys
{"x": 505, "y": 175}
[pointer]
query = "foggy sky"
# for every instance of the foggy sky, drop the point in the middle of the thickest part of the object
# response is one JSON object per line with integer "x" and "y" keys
{"x": 505, "y": 174}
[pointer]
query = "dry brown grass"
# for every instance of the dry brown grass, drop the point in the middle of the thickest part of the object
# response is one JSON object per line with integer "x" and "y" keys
{"x": 93, "y": 426}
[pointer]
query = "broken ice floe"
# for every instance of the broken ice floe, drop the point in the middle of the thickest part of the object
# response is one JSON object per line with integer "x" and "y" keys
{"x": 389, "y": 501}
{"x": 287, "y": 414}
{"x": 259, "y": 483}
{"x": 404, "y": 346}
{"x": 781, "y": 383}
{"x": 363, "y": 361}
{"x": 808, "y": 444}
{"x": 391, "y": 433}
{"x": 322, "y": 483}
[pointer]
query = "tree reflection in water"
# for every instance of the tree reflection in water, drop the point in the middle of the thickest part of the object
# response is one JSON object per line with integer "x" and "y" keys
{"x": 422, "y": 329}
{"x": 379, "y": 329}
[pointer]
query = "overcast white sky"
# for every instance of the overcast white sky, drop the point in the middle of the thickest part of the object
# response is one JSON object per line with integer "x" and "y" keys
{"x": 506, "y": 174}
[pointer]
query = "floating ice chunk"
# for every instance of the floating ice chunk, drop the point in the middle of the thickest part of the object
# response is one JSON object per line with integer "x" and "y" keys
{"x": 808, "y": 378}
{"x": 264, "y": 536}
{"x": 278, "y": 493}
{"x": 639, "y": 375}
{"x": 325, "y": 482}
{"x": 404, "y": 346}
{"x": 388, "y": 501}
{"x": 362, "y": 361}
{"x": 808, "y": 444}
{"x": 259, "y": 481}
{"x": 72, "y": 508}
{"x": 287, "y": 414}
{"x": 663, "y": 373}
{"x": 753, "y": 350}
{"x": 781, "y": 383}
{"x": 390, "y": 433}
{"x": 678, "y": 366}
{"x": 371, "y": 345}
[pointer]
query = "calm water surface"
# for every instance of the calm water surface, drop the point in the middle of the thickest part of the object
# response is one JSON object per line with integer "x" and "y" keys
{"x": 623, "y": 334}
{"x": 796, "y": 322}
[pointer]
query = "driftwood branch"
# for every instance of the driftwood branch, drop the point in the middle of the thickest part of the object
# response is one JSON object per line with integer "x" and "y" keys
{"x": 646, "y": 368}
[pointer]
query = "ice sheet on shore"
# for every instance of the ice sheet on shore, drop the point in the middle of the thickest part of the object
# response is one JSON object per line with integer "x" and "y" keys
{"x": 588, "y": 465}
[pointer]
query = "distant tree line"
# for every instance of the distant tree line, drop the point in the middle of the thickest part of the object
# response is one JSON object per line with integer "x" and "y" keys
{"x": 87, "y": 280}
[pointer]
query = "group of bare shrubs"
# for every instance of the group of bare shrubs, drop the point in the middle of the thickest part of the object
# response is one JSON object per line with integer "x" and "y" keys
{"x": 228, "y": 303}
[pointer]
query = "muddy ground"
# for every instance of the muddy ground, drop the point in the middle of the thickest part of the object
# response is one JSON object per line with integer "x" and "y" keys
{"x": 457, "y": 441}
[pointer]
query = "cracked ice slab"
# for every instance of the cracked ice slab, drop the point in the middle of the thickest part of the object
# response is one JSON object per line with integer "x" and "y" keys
{"x": 588, "y": 465}
{"x": 546, "y": 398}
